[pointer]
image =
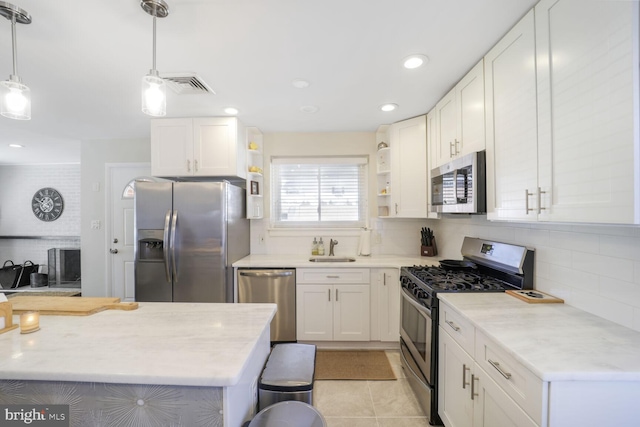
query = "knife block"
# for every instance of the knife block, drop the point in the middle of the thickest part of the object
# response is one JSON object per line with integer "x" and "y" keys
{"x": 6, "y": 313}
{"x": 429, "y": 250}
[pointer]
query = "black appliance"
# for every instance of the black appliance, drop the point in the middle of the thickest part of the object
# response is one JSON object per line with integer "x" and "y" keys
{"x": 486, "y": 266}
{"x": 64, "y": 267}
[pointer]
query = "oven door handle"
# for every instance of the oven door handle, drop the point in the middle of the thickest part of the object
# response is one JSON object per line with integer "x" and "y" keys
{"x": 413, "y": 302}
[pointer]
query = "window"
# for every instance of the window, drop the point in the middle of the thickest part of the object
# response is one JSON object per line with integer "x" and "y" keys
{"x": 319, "y": 192}
{"x": 130, "y": 189}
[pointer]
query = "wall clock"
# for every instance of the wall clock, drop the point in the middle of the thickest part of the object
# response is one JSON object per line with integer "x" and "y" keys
{"x": 47, "y": 204}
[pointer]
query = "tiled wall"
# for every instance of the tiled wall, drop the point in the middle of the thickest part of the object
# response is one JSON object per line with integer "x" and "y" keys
{"x": 18, "y": 185}
{"x": 592, "y": 267}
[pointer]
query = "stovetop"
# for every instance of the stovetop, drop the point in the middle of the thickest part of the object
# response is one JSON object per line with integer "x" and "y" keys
{"x": 424, "y": 282}
{"x": 439, "y": 279}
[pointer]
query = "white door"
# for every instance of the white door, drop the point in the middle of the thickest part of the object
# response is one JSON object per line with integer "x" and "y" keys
{"x": 587, "y": 110}
{"x": 512, "y": 132}
{"x": 314, "y": 305}
{"x": 351, "y": 318}
{"x": 120, "y": 227}
{"x": 446, "y": 128}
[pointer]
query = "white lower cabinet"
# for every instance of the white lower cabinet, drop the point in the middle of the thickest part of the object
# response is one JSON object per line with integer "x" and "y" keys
{"x": 385, "y": 313}
{"x": 468, "y": 395}
{"x": 333, "y": 304}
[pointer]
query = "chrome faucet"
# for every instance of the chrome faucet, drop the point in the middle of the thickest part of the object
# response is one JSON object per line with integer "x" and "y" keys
{"x": 332, "y": 243}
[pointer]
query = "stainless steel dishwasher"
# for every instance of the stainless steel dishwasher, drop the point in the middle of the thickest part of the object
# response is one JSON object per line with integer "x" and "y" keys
{"x": 276, "y": 286}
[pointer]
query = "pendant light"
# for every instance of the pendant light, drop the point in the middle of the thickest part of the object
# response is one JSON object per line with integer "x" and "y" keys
{"x": 15, "y": 97}
{"x": 154, "y": 88}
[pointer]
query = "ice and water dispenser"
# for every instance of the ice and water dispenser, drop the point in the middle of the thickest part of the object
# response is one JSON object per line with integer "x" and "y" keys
{"x": 151, "y": 245}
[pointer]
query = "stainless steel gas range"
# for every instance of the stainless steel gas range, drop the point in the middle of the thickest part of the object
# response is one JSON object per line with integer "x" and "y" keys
{"x": 486, "y": 266}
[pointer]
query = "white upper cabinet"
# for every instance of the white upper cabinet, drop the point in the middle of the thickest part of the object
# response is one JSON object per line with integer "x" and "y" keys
{"x": 171, "y": 147}
{"x": 562, "y": 106}
{"x": 432, "y": 136}
{"x": 408, "y": 191}
{"x": 460, "y": 118}
{"x": 588, "y": 128}
{"x": 191, "y": 147}
{"x": 511, "y": 123}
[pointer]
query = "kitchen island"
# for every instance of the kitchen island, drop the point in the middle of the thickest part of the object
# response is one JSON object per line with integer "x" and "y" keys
{"x": 165, "y": 364}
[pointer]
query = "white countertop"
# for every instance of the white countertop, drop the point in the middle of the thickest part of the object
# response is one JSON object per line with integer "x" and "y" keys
{"x": 300, "y": 261}
{"x": 184, "y": 344}
{"x": 556, "y": 342}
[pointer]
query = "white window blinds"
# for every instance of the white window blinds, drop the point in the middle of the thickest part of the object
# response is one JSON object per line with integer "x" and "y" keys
{"x": 319, "y": 192}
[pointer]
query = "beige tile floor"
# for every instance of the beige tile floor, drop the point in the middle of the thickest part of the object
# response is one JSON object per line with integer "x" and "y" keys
{"x": 370, "y": 403}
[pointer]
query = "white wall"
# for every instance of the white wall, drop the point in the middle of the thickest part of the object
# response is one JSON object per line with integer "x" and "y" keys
{"x": 307, "y": 144}
{"x": 18, "y": 185}
{"x": 94, "y": 156}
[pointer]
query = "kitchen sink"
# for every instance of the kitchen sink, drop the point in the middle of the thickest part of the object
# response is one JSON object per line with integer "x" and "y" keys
{"x": 332, "y": 259}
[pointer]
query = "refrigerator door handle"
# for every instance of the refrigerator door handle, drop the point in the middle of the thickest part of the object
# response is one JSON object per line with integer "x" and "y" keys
{"x": 174, "y": 260}
{"x": 165, "y": 245}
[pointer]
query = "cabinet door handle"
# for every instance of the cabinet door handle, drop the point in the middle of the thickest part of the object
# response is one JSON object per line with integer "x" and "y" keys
{"x": 384, "y": 279}
{"x": 473, "y": 392}
{"x": 451, "y": 149}
{"x": 453, "y": 325}
{"x": 496, "y": 365}
{"x": 195, "y": 164}
{"x": 336, "y": 295}
{"x": 188, "y": 165}
{"x": 396, "y": 209}
{"x": 540, "y": 193}
{"x": 456, "y": 147}
{"x": 329, "y": 294}
{"x": 464, "y": 376}
{"x": 526, "y": 201}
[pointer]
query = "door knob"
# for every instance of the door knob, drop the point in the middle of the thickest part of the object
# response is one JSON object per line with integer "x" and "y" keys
{"x": 113, "y": 251}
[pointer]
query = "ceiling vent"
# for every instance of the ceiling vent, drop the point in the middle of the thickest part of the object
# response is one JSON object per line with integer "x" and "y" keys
{"x": 186, "y": 83}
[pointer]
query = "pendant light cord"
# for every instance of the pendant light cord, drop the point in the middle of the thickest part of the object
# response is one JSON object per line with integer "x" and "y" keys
{"x": 154, "y": 43}
{"x": 15, "y": 46}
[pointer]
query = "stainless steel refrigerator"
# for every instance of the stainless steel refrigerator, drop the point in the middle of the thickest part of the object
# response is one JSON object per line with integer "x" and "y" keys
{"x": 187, "y": 235}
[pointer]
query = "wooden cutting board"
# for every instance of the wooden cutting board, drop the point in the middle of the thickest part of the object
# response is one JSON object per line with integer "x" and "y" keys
{"x": 535, "y": 297}
{"x": 68, "y": 306}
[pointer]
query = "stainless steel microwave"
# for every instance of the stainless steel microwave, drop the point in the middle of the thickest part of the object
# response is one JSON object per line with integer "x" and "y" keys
{"x": 460, "y": 185}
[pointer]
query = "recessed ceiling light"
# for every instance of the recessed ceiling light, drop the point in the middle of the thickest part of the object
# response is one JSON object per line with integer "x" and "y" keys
{"x": 230, "y": 110}
{"x": 309, "y": 109}
{"x": 414, "y": 61}
{"x": 388, "y": 107}
{"x": 16, "y": 146}
{"x": 300, "y": 83}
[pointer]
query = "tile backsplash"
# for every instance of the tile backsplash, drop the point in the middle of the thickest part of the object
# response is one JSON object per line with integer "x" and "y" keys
{"x": 19, "y": 184}
{"x": 592, "y": 267}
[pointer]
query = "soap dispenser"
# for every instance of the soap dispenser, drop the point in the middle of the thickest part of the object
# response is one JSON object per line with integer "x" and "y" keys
{"x": 314, "y": 247}
{"x": 320, "y": 247}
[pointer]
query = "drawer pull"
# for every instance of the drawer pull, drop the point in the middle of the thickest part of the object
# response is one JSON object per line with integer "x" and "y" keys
{"x": 473, "y": 392}
{"x": 333, "y": 277}
{"x": 464, "y": 376}
{"x": 496, "y": 365}
{"x": 453, "y": 325}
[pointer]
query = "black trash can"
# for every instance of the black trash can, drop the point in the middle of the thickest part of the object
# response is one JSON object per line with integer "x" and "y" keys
{"x": 288, "y": 375}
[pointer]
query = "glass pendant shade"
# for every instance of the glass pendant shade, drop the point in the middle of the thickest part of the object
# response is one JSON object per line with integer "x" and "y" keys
{"x": 16, "y": 100}
{"x": 154, "y": 95}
